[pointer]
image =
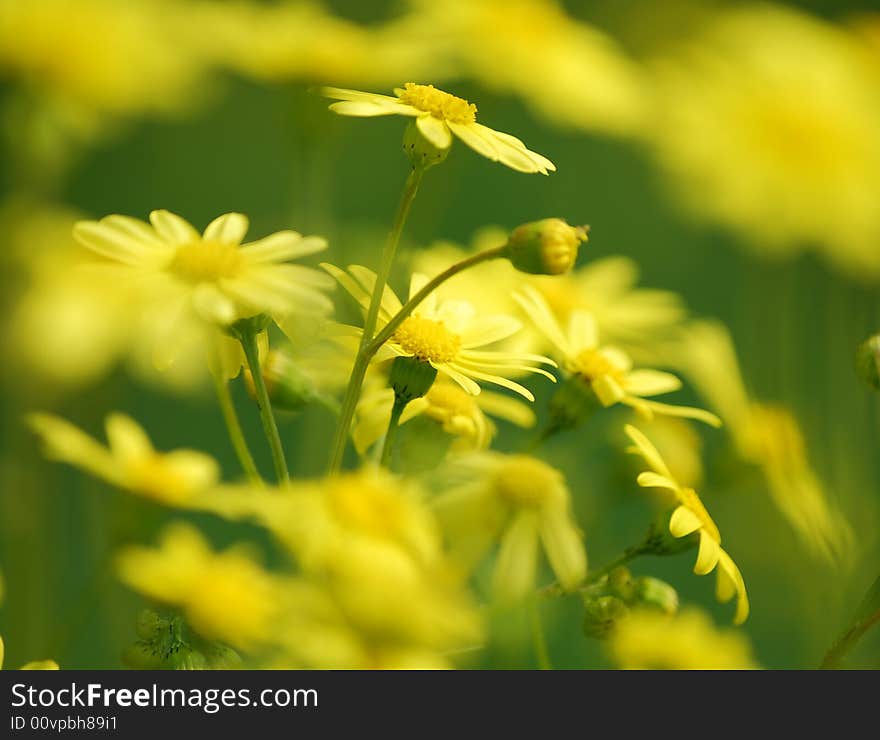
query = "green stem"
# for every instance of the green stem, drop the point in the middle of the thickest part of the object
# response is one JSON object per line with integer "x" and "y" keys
{"x": 867, "y": 615}
{"x": 539, "y": 641}
{"x": 362, "y": 361}
{"x": 391, "y": 434}
{"x": 631, "y": 553}
{"x": 248, "y": 339}
{"x": 233, "y": 427}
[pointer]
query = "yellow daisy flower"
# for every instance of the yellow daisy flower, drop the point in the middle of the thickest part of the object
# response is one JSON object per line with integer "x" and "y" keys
{"x": 691, "y": 516}
{"x": 225, "y": 596}
{"x": 447, "y": 334}
{"x": 651, "y": 640}
{"x": 460, "y": 414}
{"x": 439, "y": 115}
{"x": 218, "y": 276}
{"x": 607, "y": 370}
{"x": 130, "y": 462}
{"x": 520, "y": 501}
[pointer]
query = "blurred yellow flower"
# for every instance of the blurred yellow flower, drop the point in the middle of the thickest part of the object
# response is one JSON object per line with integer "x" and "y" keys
{"x": 450, "y": 335}
{"x": 35, "y": 665}
{"x": 652, "y": 640}
{"x": 780, "y": 145}
{"x": 224, "y": 595}
{"x": 519, "y": 501}
{"x": 130, "y": 462}
{"x": 438, "y": 115}
{"x": 569, "y": 71}
{"x": 766, "y": 435}
{"x": 606, "y": 370}
{"x": 463, "y": 416}
{"x": 691, "y": 516}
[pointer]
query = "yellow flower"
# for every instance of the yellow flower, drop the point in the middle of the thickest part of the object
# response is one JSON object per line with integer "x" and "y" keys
{"x": 520, "y": 501}
{"x": 778, "y": 145}
{"x": 130, "y": 462}
{"x": 766, "y": 435}
{"x": 218, "y": 276}
{"x": 370, "y": 539}
{"x": 450, "y": 335}
{"x": 625, "y": 314}
{"x": 652, "y": 640}
{"x": 606, "y": 370}
{"x": 439, "y": 115}
{"x": 691, "y": 516}
{"x": 460, "y": 414}
{"x": 224, "y": 596}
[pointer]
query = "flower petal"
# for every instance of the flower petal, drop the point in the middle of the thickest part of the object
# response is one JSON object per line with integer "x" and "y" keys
{"x": 563, "y": 545}
{"x": 683, "y": 522}
{"x": 229, "y": 228}
{"x": 435, "y": 131}
{"x": 282, "y": 246}
{"x": 516, "y": 565}
{"x": 172, "y": 228}
{"x": 708, "y": 554}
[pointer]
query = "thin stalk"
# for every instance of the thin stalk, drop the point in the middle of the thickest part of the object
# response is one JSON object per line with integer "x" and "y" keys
{"x": 233, "y": 427}
{"x": 539, "y": 641}
{"x": 867, "y": 615}
{"x": 631, "y": 553}
{"x": 248, "y": 341}
{"x": 391, "y": 434}
{"x": 362, "y": 361}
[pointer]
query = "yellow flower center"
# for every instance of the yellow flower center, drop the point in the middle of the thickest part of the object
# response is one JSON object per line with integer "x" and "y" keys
{"x": 527, "y": 481}
{"x": 592, "y": 364}
{"x": 205, "y": 261}
{"x": 427, "y": 340}
{"x": 439, "y": 104}
{"x": 366, "y": 506}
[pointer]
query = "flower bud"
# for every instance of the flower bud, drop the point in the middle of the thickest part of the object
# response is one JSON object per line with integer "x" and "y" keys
{"x": 601, "y": 613}
{"x": 288, "y": 387}
{"x": 868, "y": 361}
{"x": 621, "y": 584}
{"x": 546, "y": 247}
{"x": 657, "y": 594}
{"x": 421, "y": 152}
{"x": 411, "y": 378}
{"x": 149, "y": 624}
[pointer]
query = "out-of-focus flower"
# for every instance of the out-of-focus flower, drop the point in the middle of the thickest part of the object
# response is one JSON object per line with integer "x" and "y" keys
{"x": 765, "y": 435}
{"x": 680, "y": 446}
{"x": 302, "y": 40}
{"x": 130, "y": 462}
{"x": 632, "y": 317}
{"x": 519, "y": 501}
{"x": 438, "y": 116}
{"x": 567, "y": 70}
{"x": 463, "y": 416}
{"x": 606, "y": 370}
{"x": 450, "y": 335}
{"x": 225, "y": 595}
{"x": 34, "y": 665}
{"x": 194, "y": 282}
{"x": 370, "y": 542}
{"x": 691, "y": 516}
{"x": 651, "y": 640}
{"x": 778, "y": 145}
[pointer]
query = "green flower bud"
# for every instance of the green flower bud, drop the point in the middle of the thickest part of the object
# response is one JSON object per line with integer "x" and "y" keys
{"x": 655, "y": 593}
{"x": 621, "y": 584}
{"x": 601, "y": 614}
{"x": 546, "y": 247}
{"x": 868, "y": 361}
{"x": 411, "y": 378}
{"x": 140, "y": 657}
{"x": 421, "y": 152}
{"x": 288, "y": 387}
{"x": 251, "y": 325}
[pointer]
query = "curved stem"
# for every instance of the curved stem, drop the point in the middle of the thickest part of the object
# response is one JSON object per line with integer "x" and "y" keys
{"x": 631, "y": 553}
{"x": 429, "y": 287}
{"x": 867, "y": 615}
{"x": 233, "y": 427}
{"x": 391, "y": 434}
{"x": 248, "y": 341}
{"x": 362, "y": 361}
